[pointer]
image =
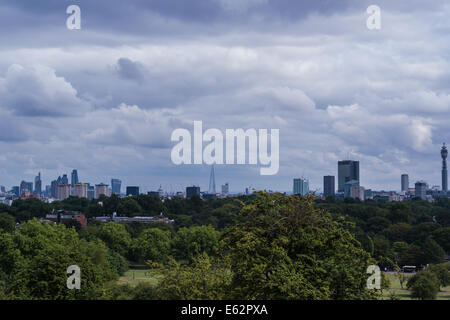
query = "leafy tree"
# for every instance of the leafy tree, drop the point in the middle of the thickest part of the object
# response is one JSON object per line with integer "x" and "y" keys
{"x": 7, "y": 222}
{"x": 115, "y": 236}
{"x": 204, "y": 279}
{"x": 190, "y": 242}
{"x": 129, "y": 207}
{"x": 432, "y": 252}
{"x": 442, "y": 237}
{"x": 283, "y": 248}
{"x": 38, "y": 255}
{"x": 424, "y": 285}
{"x": 153, "y": 244}
{"x": 442, "y": 271}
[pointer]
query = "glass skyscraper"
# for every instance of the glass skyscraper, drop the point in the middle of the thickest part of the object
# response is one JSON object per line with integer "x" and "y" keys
{"x": 74, "y": 177}
{"x": 301, "y": 186}
{"x": 328, "y": 186}
{"x": 348, "y": 170}
{"x": 116, "y": 185}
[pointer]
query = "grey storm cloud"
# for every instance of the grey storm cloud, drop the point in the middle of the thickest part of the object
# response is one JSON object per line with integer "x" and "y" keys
{"x": 115, "y": 90}
{"x": 130, "y": 70}
{"x": 38, "y": 91}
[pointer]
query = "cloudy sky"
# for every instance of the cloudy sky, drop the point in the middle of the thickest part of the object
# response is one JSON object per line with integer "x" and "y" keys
{"x": 105, "y": 99}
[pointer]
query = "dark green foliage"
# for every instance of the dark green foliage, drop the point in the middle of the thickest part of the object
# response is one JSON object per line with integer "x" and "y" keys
{"x": 424, "y": 285}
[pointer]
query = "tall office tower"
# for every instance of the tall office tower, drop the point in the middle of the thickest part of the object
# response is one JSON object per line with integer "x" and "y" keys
{"x": 405, "y": 182}
{"x": 63, "y": 191}
{"x": 80, "y": 190}
{"x": 347, "y": 170}
{"x": 54, "y": 189}
{"x": 192, "y": 191}
{"x": 226, "y": 188}
{"x": 328, "y": 186}
{"x": 16, "y": 190}
{"x": 3, "y": 189}
{"x": 101, "y": 189}
{"x": 444, "y": 153}
{"x": 64, "y": 179}
{"x": 38, "y": 185}
{"x": 132, "y": 191}
{"x": 301, "y": 186}
{"x": 91, "y": 192}
{"x": 212, "y": 182}
{"x": 74, "y": 177}
{"x": 116, "y": 186}
{"x": 26, "y": 186}
{"x": 421, "y": 190}
{"x": 48, "y": 191}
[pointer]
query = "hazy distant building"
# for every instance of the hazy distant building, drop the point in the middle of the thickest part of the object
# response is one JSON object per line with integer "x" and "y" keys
{"x": 91, "y": 192}
{"x": 38, "y": 185}
{"x": 348, "y": 170}
{"x": 421, "y": 190}
{"x": 357, "y": 192}
{"x": 16, "y": 190}
{"x": 348, "y": 185}
{"x": 116, "y": 186}
{"x": 63, "y": 191}
{"x": 405, "y": 182}
{"x": 444, "y": 153}
{"x": 133, "y": 191}
{"x": 26, "y": 186}
{"x": 54, "y": 189}
{"x": 64, "y": 179}
{"x": 80, "y": 190}
{"x": 192, "y": 191}
{"x": 74, "y": 178}
{"x": 101, "y": 189}
{"x": 329, "y": 186}
{"x": 301, "y": 186}
{"x": 225, "y": 189}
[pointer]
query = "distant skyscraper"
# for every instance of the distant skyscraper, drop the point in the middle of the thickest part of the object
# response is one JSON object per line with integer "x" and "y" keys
{"x": 16, "y": 190}
{"x": 328, "y": 186}
{"x": 347, "y": 170}
{"x": 63, "y": 191}
{"x": 357, "y": 192}
{"x": 405, "y": 182}
{"x": 348, "y": 186}
{"x": 192, "y": 191}
{"x": 91, "y": 192}
{"x": 54, "y": 189}
{"x": 26, "y": 186}
{"x": 116, "y": 186}
{"x": 421, "y": 190}
{"x": 301, "y": 186}
{"x": 38, "y": 185}
{"x": 212, "y": 182}
{"x": 74, "y": 177}
{"x": 64, "y": 179}
{"x": 133, "y": 191}
{"x": 226, "y": 188}
{"x": 444, "y": 154}
{"x": 80, "y": 190}
{"x": 101, "y": 189}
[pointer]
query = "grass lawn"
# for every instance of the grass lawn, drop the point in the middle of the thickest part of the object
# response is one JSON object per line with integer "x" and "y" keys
{"x": 404, "y": 294}
{"x": 133, "y": 277}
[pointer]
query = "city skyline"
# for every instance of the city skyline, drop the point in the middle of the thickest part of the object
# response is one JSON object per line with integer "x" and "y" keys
{"x": 105, "y": 99}
{"x": 348, "y": 172}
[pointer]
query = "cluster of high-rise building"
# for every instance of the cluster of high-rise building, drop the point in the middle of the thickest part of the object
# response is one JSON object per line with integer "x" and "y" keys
{"x": 348, "y": 185}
